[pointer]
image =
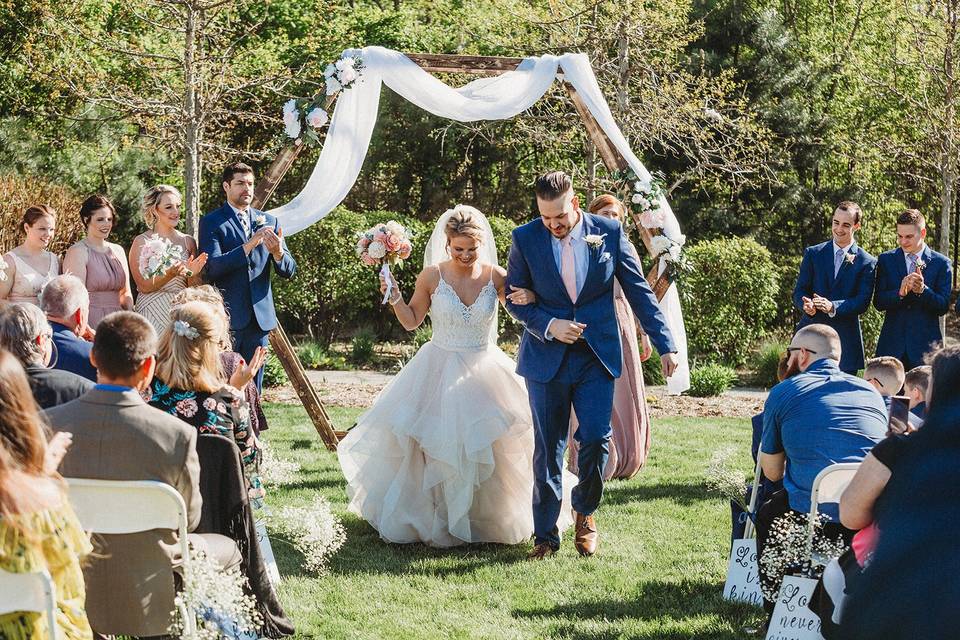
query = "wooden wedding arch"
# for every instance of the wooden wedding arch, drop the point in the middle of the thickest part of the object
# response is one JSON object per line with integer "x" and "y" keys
{"x": 433, "y": 63}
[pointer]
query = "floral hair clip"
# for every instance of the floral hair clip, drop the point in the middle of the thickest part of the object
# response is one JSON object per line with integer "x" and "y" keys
{"x": 183, "y": 328}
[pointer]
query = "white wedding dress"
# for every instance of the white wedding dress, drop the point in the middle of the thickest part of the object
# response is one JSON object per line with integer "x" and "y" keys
{"x": 444, "y": 456}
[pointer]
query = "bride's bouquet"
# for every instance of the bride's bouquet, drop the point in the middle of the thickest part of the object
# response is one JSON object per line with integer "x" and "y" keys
{"x": 384, "y": 245}
{"x": 157, "y": 255}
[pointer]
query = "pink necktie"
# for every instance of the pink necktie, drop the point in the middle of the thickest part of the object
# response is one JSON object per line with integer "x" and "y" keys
{"x": 568, "y": 268}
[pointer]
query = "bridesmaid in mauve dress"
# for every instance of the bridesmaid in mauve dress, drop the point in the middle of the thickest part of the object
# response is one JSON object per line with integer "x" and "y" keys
{"x": 630, "y": 442}
{"x": 101, "y": 265}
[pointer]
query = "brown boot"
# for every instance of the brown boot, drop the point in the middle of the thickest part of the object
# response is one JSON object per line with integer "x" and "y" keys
{"x": 541, "y": 551}
{"x": 587, "y": 537}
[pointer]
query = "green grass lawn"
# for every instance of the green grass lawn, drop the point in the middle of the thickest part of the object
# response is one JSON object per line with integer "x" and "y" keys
{"x": 659, "y": 571}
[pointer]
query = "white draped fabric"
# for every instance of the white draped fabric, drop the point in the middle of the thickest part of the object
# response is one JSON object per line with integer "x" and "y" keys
{"x": 495, "y": 98}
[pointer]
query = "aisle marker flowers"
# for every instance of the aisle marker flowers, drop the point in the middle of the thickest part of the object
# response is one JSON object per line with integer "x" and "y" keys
{"x": 315, "y": 531}
{"x": 384, "y": 245}
{"x": 217, "y": 597}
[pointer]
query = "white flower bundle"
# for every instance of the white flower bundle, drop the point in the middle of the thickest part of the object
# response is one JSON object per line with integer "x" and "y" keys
{"x": 315, "y": 531}
{"x": 786, "y": 551}
{"x": 218, "y": 599}
{"x": 724, "y": 479}
{"x": 274, "y": 470}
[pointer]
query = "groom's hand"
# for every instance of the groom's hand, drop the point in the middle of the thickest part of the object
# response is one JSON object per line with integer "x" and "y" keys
{"x": 566, "y": 330}
{"x": 669, "y": 363}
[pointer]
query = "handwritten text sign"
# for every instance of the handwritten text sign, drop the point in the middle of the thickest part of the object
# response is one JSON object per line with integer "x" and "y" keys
{"x": 267, "y": 550}
{"x": 743, "y": 581}
{"x": 792, "y": 618}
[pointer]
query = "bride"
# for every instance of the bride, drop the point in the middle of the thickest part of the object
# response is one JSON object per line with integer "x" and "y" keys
{"x": 444, "y": 456}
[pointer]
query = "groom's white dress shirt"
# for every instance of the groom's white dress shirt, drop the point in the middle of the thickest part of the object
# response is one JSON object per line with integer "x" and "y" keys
{"x": 581, "y": 255}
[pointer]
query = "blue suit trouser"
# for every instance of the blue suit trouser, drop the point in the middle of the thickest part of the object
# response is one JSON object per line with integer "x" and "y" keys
{"x": 583, "y": 382}
{"x": 246, "y": 341}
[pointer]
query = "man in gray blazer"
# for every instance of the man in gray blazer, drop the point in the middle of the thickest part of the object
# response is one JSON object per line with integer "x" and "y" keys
{"x": 117, "y": 436}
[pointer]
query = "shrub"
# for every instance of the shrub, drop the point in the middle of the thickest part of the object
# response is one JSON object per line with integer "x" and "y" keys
{"x": 313, "y": 356}
{"x": 729, "y": 299}
{"x": 422, "y": 335}
{"x": 273, "y": 373}
{"x": 766, "y": 360}
{"x": 710, "y": 380}
{"x": 653, "y": 370}
{"x": 17, "y": 193}
{"x": 361, "y": 348}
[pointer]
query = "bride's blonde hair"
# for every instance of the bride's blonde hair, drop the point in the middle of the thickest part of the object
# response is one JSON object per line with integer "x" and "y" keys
{"x": 464, "y": 221}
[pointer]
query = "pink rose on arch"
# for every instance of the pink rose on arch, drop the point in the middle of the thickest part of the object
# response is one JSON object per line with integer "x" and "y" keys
{"x": 187, "y": 408}
{"x": 653, "y": 220}
{"x": 392, "y": 242}
{"x": 405, "y": 250}
{"x": 367, "y": 260}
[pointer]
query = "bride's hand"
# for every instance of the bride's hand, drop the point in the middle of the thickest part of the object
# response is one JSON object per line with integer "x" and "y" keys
{"x": 396, "y": 295}
{"x": 521, "y": 296}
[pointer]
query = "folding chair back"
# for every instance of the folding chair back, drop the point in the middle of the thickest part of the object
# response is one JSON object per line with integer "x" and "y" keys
{"x": 30, "y": 592}
{"x": 828, "y": 486}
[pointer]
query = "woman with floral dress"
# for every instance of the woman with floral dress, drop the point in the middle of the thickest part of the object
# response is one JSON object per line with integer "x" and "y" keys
{"x": 188, "y": 384}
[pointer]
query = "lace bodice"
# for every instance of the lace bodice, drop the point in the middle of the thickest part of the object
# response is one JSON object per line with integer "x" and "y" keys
{"x": 459, "y": 327}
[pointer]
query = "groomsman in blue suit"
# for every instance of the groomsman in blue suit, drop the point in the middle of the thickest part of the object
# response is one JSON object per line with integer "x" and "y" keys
{"x": 243, "y": 245}
{"x": 913, "y": 288}
{"x": 836, "y": 283}
{"x": 570, "y": 350}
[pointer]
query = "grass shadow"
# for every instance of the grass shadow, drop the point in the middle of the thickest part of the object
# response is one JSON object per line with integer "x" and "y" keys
{"x": 683, "y": 493}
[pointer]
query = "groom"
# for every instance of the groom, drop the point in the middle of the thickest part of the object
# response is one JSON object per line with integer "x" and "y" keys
{"x": 570, "y": 352}
{"x": 243, "y": 245}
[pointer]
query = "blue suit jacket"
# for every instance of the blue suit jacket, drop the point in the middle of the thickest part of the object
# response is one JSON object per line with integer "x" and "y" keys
{"x": 911, "y": 323}
{"x": 850, "y": 293}
{"x": 532, "y": 266}
{"x": 73, "y": 353}
{"x": 244, "y": 280}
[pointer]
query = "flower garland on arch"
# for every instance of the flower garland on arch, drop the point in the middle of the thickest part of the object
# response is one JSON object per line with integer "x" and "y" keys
{"x": 305, "y": 117}
{"x": 643, "y": 197}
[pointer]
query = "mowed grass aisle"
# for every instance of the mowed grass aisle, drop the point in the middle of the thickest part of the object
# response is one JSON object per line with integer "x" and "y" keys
{"x": 658, "y": 574}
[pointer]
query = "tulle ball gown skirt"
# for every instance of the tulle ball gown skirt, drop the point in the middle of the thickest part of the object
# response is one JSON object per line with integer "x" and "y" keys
{"x": 444, "y": 455}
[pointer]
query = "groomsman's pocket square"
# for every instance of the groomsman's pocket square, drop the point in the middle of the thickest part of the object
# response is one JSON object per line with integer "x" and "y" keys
{"x": 604, "y": 256}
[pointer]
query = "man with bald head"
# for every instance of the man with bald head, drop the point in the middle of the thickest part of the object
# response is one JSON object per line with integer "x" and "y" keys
{"x": 819, "y": 417}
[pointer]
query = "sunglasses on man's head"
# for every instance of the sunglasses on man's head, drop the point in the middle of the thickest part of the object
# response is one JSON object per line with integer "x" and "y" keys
{"x": 792, "y": 349}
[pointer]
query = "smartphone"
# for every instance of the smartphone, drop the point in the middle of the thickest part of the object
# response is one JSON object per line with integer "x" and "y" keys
{"x": 899, "y": 417}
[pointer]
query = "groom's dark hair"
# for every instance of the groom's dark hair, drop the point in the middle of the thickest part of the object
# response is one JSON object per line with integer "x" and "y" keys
{"x": 233, "y": 169}
{"x": 551, "y": 186}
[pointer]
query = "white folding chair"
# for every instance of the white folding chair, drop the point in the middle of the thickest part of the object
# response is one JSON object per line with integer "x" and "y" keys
{"x": 749, "y": 529}
{"x": 118, "y": 507}
{"x": 828, "y": 486}
{"x": 30, "y": 592}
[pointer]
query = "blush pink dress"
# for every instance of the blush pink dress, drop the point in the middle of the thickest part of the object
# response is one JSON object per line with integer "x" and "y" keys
{"x": 105, "y": 278}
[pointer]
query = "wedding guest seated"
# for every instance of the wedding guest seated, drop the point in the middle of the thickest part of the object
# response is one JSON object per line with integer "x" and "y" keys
{"x": 65, "y": 301}
{"x": 116, "y": 436}
{"x": 909, "y": 589}
{"x": 189, "y": 385}
{"x": 819, "y": 417}
{"x": 38, "y": 528}
{"x": 915, "y": 384}
{"x": 25, "y": 333}
{"x": 886, "y": 375}
{"x": 230, "y": 360}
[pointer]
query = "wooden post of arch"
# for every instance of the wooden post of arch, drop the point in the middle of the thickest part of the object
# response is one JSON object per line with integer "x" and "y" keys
{"x": 433, "y": 63}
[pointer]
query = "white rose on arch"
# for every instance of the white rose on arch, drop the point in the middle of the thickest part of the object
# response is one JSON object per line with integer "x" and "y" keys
{"x": 674, "y": 252}
{"x": 291, "y": 124}
{"x": 376, "y": 250}
{"x": 290, "y": 106}
{"x": 329, "y": 71}
{"x": 333, "y": 85}
{"x": 317, "y": 118}
{"x": 348, "y": 75}
{"x": 660, "y": 244}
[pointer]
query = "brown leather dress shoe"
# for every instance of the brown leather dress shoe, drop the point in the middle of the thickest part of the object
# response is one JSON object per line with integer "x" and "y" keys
{"x": 587, "y": 537}
{"x": 541, "y": 551}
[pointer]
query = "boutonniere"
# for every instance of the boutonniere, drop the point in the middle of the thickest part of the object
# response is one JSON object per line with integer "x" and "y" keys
{"x": 921, "y": 265}
{"x": 850, "y": 257}
{"x": 259, "y": 220}
{"x": 593, "y": 240}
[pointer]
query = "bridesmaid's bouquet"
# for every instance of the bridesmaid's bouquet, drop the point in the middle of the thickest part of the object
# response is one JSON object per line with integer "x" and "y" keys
{"x": 157, "y": 255}
{"x": 384, "y": 245}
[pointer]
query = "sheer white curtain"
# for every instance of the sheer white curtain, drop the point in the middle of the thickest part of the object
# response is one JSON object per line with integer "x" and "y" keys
{"x": 495, "y": 98}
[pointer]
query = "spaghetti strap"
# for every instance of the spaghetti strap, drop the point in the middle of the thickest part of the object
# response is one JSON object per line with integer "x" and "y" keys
{"x": 490, "y": 280}
{"x": 440, "y": 273}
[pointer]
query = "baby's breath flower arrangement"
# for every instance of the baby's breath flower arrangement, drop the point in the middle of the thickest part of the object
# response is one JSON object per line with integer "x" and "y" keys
{"x": 314, "y": 530}
{"x": 217, "y": 598}
{"x": 786, "y": 551}
{"x": 724, "y": 479}
{"x": 274, "y": 470}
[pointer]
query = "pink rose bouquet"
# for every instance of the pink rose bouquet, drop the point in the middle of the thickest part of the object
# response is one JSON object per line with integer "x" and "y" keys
{"x": 384, "y": 245}
{"x": 157, "y": 255}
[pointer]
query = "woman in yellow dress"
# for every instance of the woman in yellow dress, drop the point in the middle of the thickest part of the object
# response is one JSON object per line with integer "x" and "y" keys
{"x": 38, "y": 528}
